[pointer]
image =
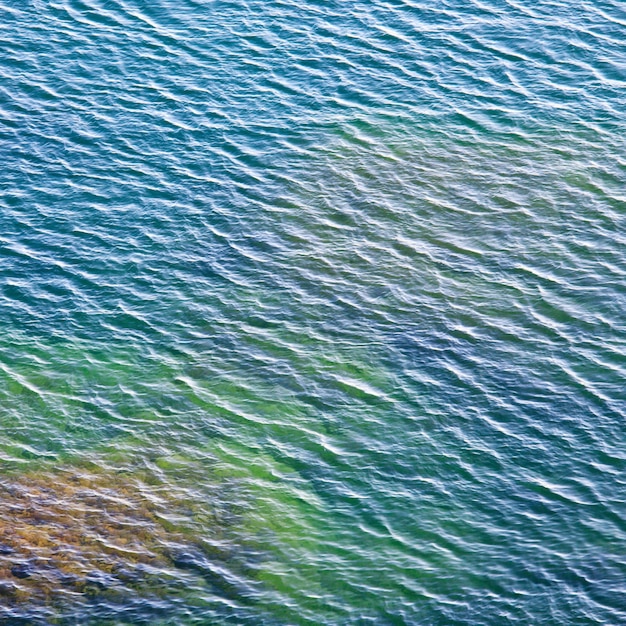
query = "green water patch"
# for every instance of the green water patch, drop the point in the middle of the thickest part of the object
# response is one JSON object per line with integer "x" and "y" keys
{"x": 121, "y": 486}
{"x": 61, "y": 397}
{"x": 285, "y": 517}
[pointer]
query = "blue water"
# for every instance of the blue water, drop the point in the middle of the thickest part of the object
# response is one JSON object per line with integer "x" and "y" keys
{"x": 312, "y": 312}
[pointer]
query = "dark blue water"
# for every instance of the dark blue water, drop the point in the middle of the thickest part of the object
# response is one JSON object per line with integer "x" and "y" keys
{"x": 312, "y": 313}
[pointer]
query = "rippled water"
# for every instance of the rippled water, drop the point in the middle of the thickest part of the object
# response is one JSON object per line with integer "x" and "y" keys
{"x": 312, "y": 312}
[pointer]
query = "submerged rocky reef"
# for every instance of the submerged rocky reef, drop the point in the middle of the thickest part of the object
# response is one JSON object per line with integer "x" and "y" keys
{"x": 79, "y": 534}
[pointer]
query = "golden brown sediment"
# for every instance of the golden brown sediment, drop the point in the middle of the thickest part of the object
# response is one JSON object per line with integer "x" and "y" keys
{"x": 81, "y": 532}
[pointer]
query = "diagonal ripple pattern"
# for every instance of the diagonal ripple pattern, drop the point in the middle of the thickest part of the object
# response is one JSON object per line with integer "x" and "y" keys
{"x": 311, "y": 312}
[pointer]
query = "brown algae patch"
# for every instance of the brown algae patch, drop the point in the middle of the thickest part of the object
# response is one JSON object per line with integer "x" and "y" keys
{"x": 72, "y": 534}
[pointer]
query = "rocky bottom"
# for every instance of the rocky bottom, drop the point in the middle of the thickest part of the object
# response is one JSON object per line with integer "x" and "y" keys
{"x": 76, "y": 534}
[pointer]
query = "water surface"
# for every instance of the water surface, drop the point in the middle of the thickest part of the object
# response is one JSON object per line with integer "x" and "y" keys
{"x": 312, "y": 313}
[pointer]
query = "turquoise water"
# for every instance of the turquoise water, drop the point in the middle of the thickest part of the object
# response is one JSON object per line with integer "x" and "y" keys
{"x": 312, "y": 313}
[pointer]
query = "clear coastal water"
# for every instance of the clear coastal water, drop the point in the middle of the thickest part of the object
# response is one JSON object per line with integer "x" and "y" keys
{"x": 312, "y": 312}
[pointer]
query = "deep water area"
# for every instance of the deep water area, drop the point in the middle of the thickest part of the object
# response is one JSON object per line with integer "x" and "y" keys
{"x": 312, "y": 313}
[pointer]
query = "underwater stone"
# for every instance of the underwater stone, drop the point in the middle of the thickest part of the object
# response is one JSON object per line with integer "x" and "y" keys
{"x": 22, "y": 570}
{"x": 68, "y": 579}
{"x": 187, "y": 560}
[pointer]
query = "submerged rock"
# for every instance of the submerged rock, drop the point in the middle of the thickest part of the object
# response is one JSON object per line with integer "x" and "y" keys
{"x": 22, "y": 570}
